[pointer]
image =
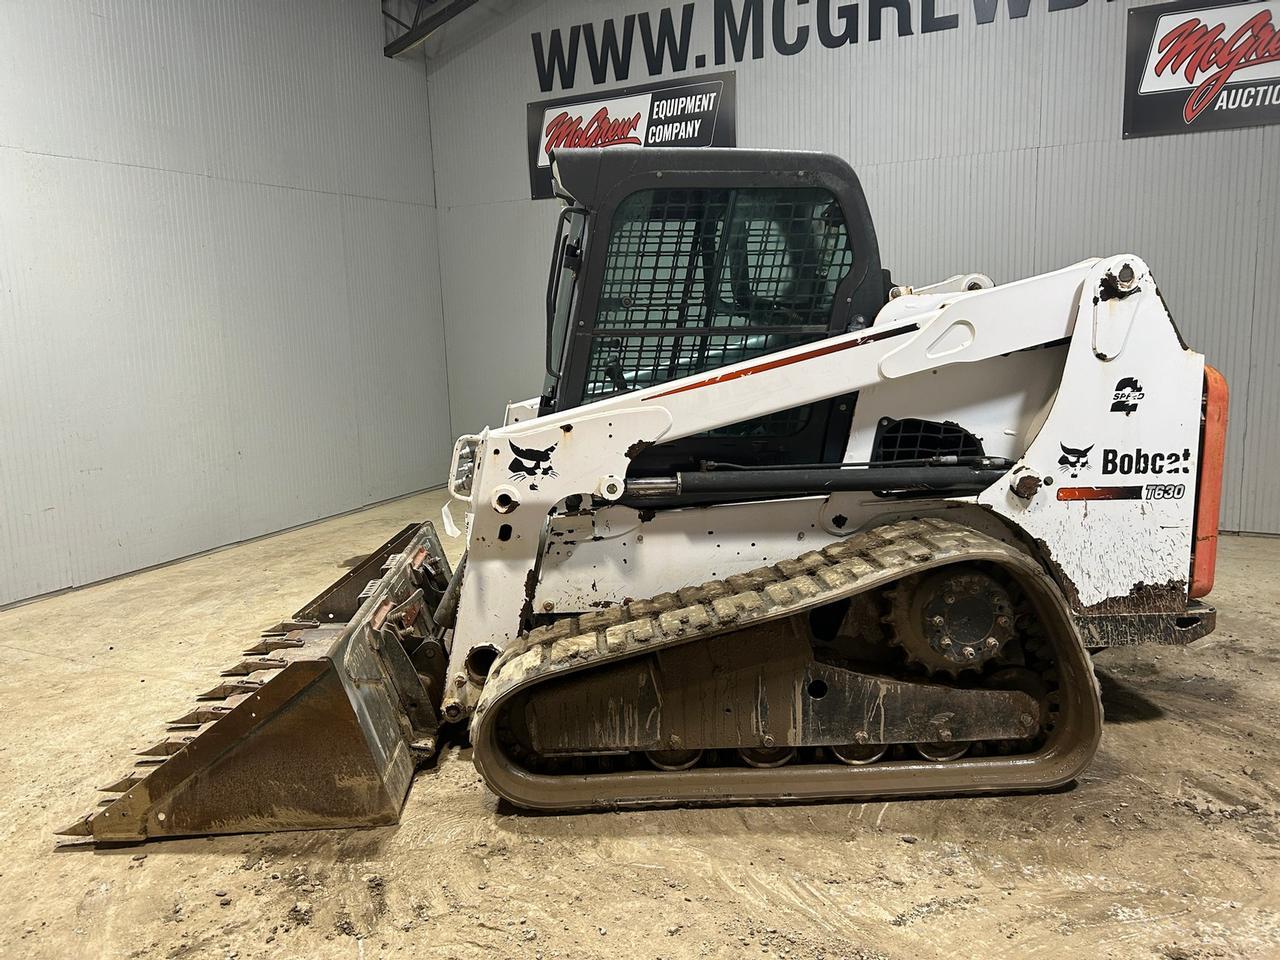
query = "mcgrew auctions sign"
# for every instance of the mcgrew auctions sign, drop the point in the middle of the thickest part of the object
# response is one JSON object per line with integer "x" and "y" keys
{"x": 1196, "y": 67}
{"x": 698, "y": 112}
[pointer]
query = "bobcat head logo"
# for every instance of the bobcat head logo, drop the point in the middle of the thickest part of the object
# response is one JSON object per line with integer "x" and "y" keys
{"x": 528, "y": 464}
{"x": 1073, "y": 461}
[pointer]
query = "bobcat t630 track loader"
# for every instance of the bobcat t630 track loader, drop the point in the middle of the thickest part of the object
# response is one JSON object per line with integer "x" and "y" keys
{"x": 777, "y": 530}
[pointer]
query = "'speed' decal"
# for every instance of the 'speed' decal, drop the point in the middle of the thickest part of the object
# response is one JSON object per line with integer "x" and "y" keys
{"x": 1125, "y": 397}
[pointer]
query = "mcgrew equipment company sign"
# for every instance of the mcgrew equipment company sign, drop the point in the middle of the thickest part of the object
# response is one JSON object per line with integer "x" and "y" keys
{"x": 698, "y": 112}
{"x": 1195, "y": 67}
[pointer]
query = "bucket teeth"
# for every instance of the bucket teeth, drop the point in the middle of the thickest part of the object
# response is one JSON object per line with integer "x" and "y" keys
{"x": 79, "y": 828}
{"x": 231, "y": 688}
{"x": 126, "y": 782}
{"x": 268, "y": 644}
{"x": 165, "y": 748}
{"x": 197, "y": 717}
{"x": 289, "y": 626}
{"x": 204, "y": 713}
{"x": 172, "y": 743}
{"x": 255, "y": 664}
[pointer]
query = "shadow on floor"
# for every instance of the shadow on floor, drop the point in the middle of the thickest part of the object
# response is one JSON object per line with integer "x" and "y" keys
{"x": 1123, "y": 703}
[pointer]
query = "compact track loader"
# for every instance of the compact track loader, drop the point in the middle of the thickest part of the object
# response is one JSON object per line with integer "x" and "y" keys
{"x": 777, "y": 530}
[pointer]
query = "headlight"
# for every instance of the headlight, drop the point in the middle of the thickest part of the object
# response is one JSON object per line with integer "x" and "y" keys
{"x": 463, "y": 471}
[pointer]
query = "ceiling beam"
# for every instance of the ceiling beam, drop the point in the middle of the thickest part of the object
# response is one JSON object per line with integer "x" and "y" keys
{"x": 422, "y": 29}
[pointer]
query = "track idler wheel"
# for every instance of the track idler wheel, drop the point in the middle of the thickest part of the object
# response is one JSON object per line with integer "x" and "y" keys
{"x": 673, "y": 759}
{"x": 942, "y": 752}
{"x": 859, "y": 754}
{"x": 767, "y": 756}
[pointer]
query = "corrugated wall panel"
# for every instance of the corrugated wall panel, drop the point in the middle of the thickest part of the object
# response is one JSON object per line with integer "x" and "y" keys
{"x": 1192, "y": 217}
{"x": 112, "y": 462}
{"x": 122, "y": 82}
{"x": 928, "y": 227}
{"x": 1082, "y": 73}
{"x": 267, "y": 93}
{"x": 478, "y": 109}
{"x": 496, "y": 333}
{"x": 218, "y": 271}
{"x": 381, "y": 134}
{"x": 395, "y": 362}
{"x": 285, "y": 343}
{"x": 995, "y": 148}
{"x": 291, "y": 93}
{"x": 879, "y": 101}
{"x": 1255, "y": 442}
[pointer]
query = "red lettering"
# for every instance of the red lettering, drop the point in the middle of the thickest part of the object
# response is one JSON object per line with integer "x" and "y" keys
{"x": 568, "y": 131}
{"x": 1199, "y": 53}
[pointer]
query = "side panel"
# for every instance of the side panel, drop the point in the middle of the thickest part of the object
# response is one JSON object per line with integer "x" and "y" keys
{"x": 1107, "y": 488}
{"x": 612, "y": 556}
{"x": 1000, "y": 401}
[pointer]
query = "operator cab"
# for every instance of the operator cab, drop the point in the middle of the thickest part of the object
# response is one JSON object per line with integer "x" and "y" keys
{"x": 671, "y": 262}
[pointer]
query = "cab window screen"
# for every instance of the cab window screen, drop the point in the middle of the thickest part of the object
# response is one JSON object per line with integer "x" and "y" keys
{"x": 696, "y": 279}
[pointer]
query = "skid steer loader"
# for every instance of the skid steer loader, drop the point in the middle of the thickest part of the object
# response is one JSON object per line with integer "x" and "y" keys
{"x": 777, "y": 530}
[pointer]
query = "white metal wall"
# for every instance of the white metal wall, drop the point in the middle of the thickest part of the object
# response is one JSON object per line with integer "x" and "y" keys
{"x": 994, "y": 148}
{"x": 219, "y": 294}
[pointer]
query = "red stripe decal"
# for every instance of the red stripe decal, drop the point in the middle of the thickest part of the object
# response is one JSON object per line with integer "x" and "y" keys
{"x": 1100, "y": 493}
{"x": 786, "y": 361}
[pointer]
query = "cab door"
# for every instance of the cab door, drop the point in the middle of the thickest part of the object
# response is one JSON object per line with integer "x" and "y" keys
{"x": 701, "y": 263}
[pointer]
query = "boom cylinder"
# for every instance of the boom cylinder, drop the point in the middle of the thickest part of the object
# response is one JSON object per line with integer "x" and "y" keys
{"x": 808, "y": 481}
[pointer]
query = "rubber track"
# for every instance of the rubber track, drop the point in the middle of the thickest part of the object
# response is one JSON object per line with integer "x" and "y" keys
{"x": 859, "y": 563}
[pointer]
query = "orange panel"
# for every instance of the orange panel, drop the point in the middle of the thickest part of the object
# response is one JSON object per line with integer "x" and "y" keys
{"x": 1213, "y": 442}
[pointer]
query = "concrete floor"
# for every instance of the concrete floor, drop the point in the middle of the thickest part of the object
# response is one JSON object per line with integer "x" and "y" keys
{"x": 1167, "y": 848}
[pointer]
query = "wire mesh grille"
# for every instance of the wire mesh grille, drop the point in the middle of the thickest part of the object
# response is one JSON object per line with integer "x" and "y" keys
{"x": 696, "y": 279}
{"x": 913, "y": 439}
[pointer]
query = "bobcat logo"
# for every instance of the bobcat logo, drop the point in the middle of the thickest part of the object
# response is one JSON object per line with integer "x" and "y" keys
{"x": 1073, "y": 461}
{"x": 527, "y": 464}
{"x": 1126, "y": 396}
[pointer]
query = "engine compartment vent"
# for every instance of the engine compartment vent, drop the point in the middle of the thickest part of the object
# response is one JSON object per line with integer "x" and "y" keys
{"x": 915, "y": 439}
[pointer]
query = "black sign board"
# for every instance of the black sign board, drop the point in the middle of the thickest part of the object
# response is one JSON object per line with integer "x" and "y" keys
{"x": 1192, "y": 66}
{"x": 697, "y": 112}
